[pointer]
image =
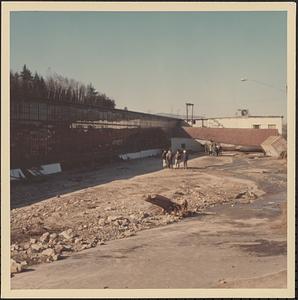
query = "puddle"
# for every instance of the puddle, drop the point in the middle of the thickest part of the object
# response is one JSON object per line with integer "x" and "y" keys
{"x": 267, "y": 206}
{"x": 265, "y": 248}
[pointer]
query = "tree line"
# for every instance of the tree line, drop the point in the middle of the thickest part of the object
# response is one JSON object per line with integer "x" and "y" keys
{"x": 26, "y": 87}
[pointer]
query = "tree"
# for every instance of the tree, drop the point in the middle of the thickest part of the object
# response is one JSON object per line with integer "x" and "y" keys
{"x": 55, "y": 88}
{"x": 26, "y": 74}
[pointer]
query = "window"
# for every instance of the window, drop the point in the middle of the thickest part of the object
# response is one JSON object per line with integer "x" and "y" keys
{"x": 256, "y": 126}
{"x": 271, "y": 126}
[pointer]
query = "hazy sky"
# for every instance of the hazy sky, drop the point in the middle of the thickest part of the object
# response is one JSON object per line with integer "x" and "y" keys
{"x": 156, "y": 61}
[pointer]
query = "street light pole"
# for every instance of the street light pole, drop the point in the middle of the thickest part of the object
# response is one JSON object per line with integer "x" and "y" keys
{"x": 264, "y": 83}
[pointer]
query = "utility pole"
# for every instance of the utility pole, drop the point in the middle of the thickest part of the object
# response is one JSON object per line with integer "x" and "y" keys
{"x": 187, "y": 106}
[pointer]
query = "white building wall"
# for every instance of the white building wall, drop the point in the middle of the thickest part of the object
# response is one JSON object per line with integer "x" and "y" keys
{"x": 242, "y": 122}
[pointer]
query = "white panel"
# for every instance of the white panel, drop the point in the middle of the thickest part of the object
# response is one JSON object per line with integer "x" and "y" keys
{"x": 16, "y": 174}
{"x": 151, "y": 152}
{"x": 141, "y": 154}
{"x": 51, "y": 169}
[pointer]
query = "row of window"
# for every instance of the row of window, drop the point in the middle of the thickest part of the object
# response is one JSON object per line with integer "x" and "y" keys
{"x": 44, "y": 112}
{"x": 270, "y": 126}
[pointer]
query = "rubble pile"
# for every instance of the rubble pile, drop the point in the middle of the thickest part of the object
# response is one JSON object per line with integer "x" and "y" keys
{"x": 59, "y": 226}
{"x": 48, "y": 231}
{"x": 52, "y": 245}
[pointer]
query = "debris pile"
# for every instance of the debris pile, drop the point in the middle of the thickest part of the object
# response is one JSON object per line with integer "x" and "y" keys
{"x": 49, "y": 230}
{"x": 246, "y": 197}
{"x": 167, "y": 205}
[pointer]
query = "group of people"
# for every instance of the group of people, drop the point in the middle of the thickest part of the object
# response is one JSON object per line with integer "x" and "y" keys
{"x": 173, "y": 160}
{"x": 213, "y": 149}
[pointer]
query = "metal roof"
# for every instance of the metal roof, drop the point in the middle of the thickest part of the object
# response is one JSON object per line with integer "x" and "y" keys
{"x": 238, "y": 117}
{"x": 235, "y": 136}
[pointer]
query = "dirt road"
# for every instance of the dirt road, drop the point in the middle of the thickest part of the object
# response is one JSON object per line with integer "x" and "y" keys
{"x": 241, "y": 242}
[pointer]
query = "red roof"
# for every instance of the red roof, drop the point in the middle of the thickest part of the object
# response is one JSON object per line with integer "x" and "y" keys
{"x": 234, "y": 136}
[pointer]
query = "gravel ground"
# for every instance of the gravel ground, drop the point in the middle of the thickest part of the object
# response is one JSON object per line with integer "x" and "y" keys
{"x": 93, "y": 207}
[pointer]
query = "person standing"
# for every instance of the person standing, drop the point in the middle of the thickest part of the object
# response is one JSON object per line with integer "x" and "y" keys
{"x": 185, "y": 158}
{"x": 169, "y": 159}
{"x": 213, "y": 149}
{"x": 217, "y": 149}
{"x": 210, "y": 148}
{"x": 206, "y": 148}
{"x": 163, "y": 156}
{"x": 177, "y": 159}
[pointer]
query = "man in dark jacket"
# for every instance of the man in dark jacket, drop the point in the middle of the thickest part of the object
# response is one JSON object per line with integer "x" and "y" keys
{"x": 185, "y": 158}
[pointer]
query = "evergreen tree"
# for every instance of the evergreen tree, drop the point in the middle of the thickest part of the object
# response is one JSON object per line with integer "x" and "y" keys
{"x": 56, "y": 88}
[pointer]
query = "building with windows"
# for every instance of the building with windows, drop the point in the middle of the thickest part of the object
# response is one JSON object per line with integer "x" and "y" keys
{"x": 246, "y": 121}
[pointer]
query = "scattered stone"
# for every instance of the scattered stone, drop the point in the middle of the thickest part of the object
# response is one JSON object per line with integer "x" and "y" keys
{"x": 32, "y": 241}
{"x": 26, "y": 246}
{"x": 114, "y": 218}
{"x": 67, "y": 234}
{"x": 109, "y": 208}
{"x": 23, "y": 264}
{"x": 53, "y": 236}
{"x": 14, "y": 247}
{"x": 101, "y": 222}
{"x": 36, "y": 247}
{"x": 56, "y": 257}
{"x": 67, "y": 248}
{"x": 58, "y": 249}
{"x": 145, "y": 215}
{"x": 246, "y": 195}
{"x": 77, "y": 240}
{"x": 44, "y": 237}
{"x": 48, "y": 252}
{"x": 133, "y": 217}
{"x": 222, "y": 281}
{"x": 15, "y": 267}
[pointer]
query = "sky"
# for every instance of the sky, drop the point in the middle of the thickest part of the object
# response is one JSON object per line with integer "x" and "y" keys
{"x": 157, "y": 61}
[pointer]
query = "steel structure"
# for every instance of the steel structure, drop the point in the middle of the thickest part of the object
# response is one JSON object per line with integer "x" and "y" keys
{"x": 73, "y": 134}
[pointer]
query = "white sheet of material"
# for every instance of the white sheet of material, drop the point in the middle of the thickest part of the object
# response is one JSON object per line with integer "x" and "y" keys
{"x": 51, "y": 169}
{"x": 141, "y": 154}
{"x": 16, "y": 174}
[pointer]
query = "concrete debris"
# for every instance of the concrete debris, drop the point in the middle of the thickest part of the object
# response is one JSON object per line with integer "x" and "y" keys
{"x": 16, "y": 267}
{"x": 48, "y": 252}
{"x": 222, "y": 281}
{"x": 44, "y": 237}
{"x": 283, "y": 155}
{"x": 67, "y": 234}
{"x": 58, "y": 249}
{"x": 275, "y": 146}
{"x": 248, "y": 195}
{"x": 166, "y": 204}
{"x": 36, "y": 247}
{"x": 53, "y": 236}
{"x": 54, "y": 228}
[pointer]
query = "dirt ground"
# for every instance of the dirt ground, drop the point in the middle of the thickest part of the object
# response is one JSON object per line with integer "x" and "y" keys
{"x": 75, "y": 211}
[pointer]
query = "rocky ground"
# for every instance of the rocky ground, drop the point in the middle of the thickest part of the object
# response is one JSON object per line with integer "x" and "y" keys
{"x": 108, "y": 203}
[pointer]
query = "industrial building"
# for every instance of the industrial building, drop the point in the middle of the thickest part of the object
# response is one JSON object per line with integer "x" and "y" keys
{"x": 73, "y": 134}
{"x": 244, "y": 120}
{"x": 48, "y": 135}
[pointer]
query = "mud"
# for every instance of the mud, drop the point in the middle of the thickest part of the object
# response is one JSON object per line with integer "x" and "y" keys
{"x": 108, "y": 204}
